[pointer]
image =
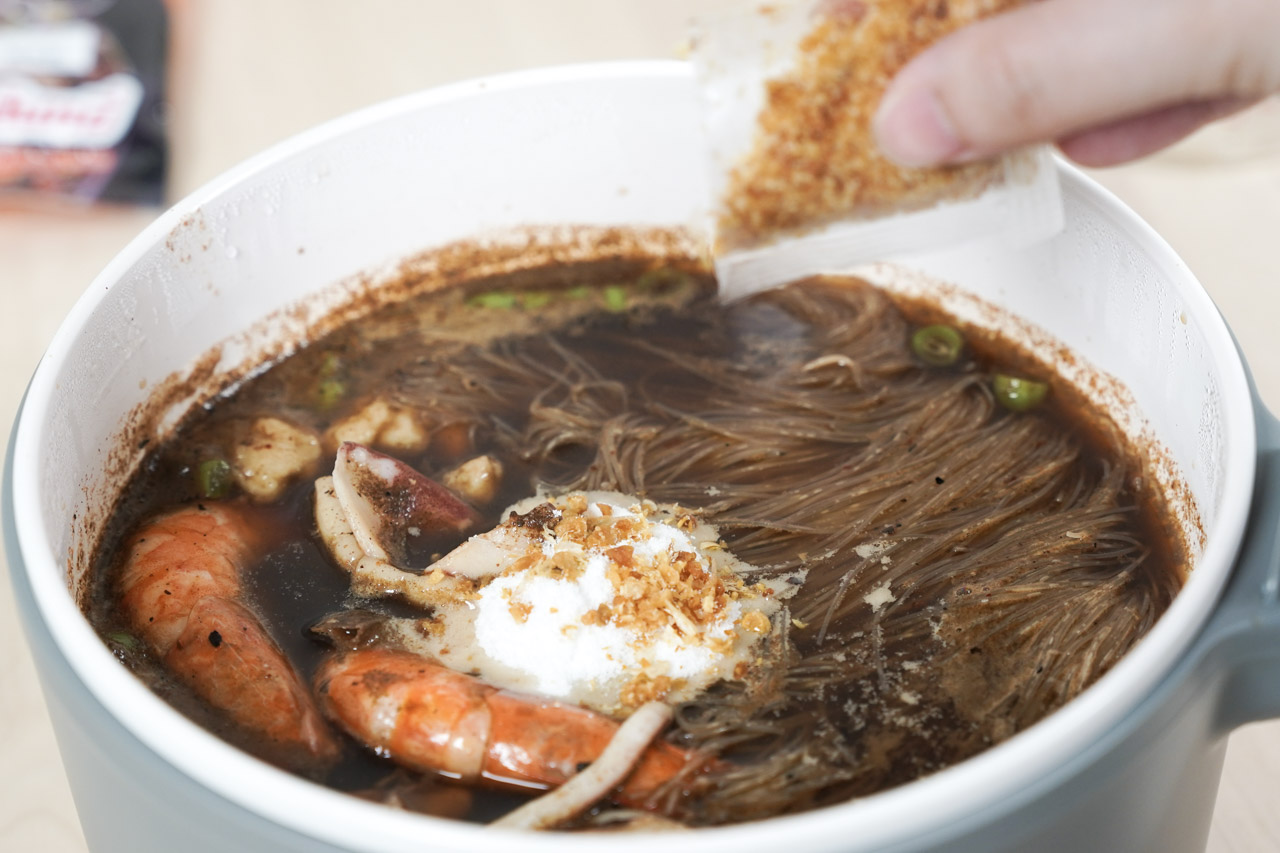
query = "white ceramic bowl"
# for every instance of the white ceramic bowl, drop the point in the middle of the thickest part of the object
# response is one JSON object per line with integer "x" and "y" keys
{"x": 1131, "y": 765}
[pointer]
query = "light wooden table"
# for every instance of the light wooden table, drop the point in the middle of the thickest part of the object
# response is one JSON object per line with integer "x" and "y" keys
{"x": 248, "y": 73}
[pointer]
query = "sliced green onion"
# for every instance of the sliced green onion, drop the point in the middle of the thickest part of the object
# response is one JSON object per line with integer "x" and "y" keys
{"x": 331, "y": 365}
{"x": 213, "y": 479}
{"x": 938, "y": 346}
{"x": 494, "y": 299}
{"x": 535, "y": 299}
{"x": 125, "y": 640}
{"x": 329, "y": 388}
{"x": 1017, "y": 394}
{"x": 615, "y": 297}
{"x": 329, "y": 392}
{"x": 579, "y": 292}
{"x": 662, "y": 279}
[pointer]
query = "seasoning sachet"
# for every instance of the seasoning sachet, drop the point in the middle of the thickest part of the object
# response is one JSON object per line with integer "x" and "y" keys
{"x": 799, "y": 186}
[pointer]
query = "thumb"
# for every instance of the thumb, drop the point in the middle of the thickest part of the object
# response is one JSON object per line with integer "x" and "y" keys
{"x": 1057, "y": 69}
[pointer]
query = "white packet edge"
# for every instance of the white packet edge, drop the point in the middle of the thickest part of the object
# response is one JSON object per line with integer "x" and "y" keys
{"x": 1016, "y": 212}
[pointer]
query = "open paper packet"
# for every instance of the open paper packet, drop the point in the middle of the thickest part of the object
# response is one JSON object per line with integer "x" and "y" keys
{"x": 791, "y": 89}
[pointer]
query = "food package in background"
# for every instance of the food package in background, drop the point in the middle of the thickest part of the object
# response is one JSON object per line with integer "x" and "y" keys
{"x": 81, "y": 95}
{"x": 798, "y": 184}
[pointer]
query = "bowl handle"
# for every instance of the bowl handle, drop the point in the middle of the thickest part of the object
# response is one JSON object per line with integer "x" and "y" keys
{"x": 1244, "y": 635}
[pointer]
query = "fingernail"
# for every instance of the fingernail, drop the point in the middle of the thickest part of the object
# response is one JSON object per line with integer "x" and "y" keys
{"x": 913, "y": 130}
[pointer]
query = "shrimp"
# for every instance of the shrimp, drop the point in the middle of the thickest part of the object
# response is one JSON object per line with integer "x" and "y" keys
{"x": 180, "y": 589}
{"x": 430, "y": 718}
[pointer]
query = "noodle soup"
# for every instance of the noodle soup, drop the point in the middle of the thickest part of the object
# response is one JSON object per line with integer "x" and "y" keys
{"x": 916, "y": 541}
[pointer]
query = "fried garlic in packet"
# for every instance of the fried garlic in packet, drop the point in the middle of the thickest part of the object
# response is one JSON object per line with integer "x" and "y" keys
{"x": 790, "y": 90}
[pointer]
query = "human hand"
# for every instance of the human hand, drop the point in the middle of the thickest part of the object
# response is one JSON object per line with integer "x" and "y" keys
{"x": 1108, "y": 80}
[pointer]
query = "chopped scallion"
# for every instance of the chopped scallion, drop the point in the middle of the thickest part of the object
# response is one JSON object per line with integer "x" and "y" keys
{"x": 535, "y": 299}
{"x": 125, "y": 640}
{"x": 662, "y": 279}
{"x": 213, "y": 479}
{"x": 1017, "y": 394}
{"x": 494, "y": 299}
{"x": 937, "y": 346}
{"x": 331, "y": 364}
{"x": 615, "y": 297}
{"x": 329, "y": 392}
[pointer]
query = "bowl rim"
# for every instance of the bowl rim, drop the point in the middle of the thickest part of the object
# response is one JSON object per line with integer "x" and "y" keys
{"x": 1011, "y": 771}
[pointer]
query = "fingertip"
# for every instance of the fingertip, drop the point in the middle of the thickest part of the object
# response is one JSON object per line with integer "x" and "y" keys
{"x": 912, "y": 128}
{"x": 990, "y": 86}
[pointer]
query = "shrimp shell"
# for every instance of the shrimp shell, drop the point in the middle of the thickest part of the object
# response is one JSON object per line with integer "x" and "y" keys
{"x": 430, "y": 718}
{"x": 180, "y": 588}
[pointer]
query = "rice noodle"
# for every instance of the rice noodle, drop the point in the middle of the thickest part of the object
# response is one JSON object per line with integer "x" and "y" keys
{"x": 596, "y": 781}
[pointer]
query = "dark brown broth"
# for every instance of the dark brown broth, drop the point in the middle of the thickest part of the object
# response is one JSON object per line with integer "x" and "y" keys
{"x": 295, "y": 583}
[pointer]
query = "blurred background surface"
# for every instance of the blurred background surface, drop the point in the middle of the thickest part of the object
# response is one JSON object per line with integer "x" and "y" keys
{"x": 244, "y": 74}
